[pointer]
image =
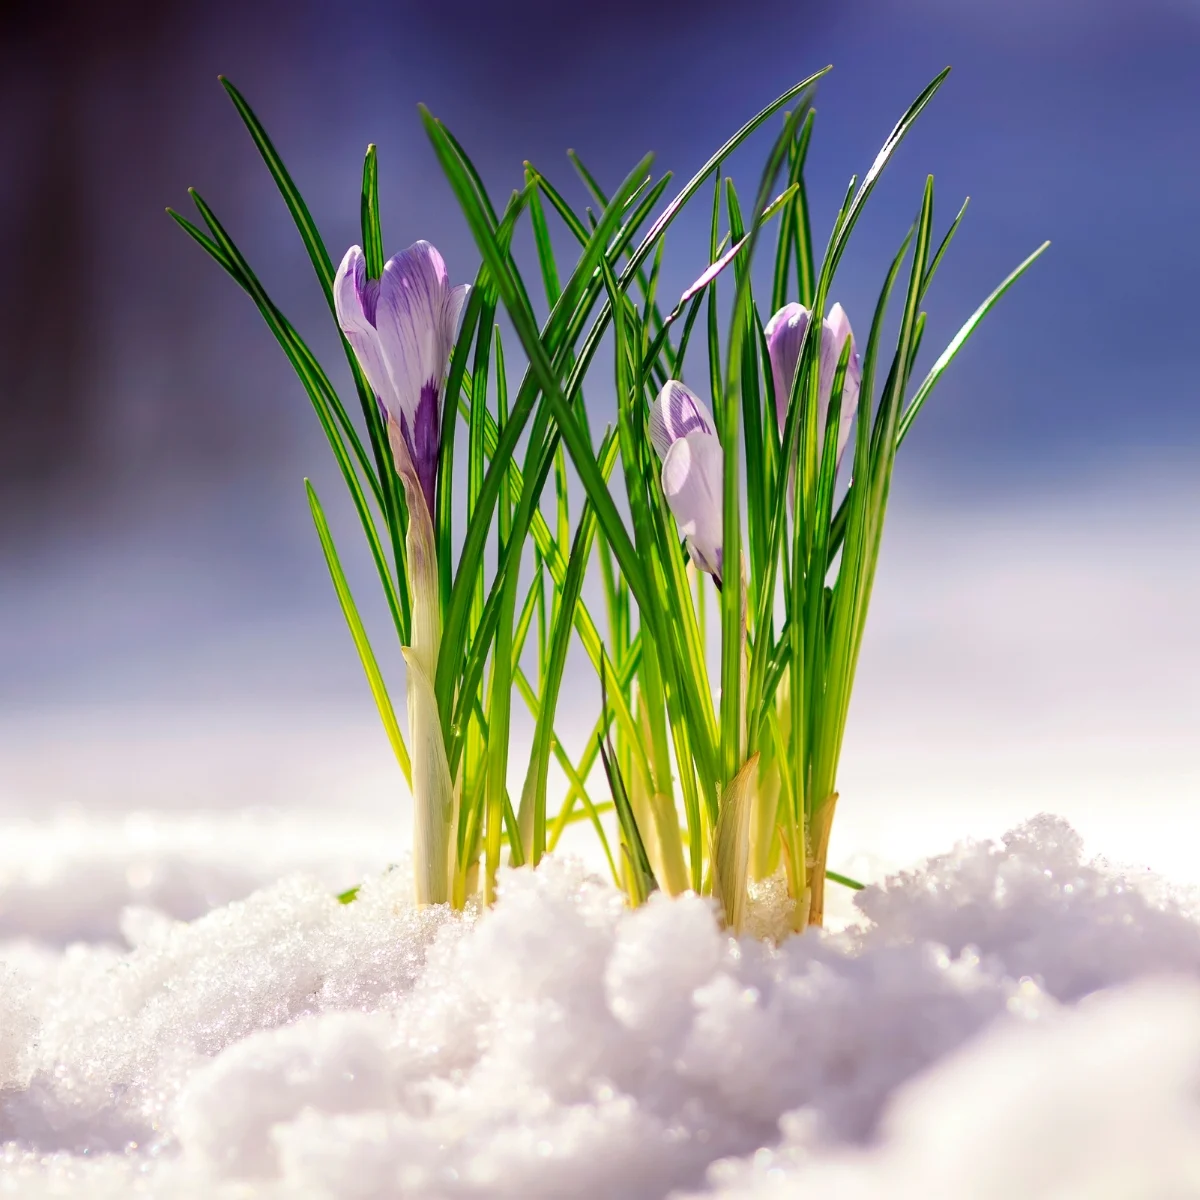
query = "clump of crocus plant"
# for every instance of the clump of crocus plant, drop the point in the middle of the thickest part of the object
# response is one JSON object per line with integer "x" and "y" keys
{"x": 712, "y": 782}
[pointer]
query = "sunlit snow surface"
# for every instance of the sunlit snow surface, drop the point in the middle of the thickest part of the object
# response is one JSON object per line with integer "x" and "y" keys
{"x": 1007, "y": 1019}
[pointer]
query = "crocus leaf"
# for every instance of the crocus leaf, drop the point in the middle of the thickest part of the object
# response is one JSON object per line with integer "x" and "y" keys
{"x": 358, "y": 633}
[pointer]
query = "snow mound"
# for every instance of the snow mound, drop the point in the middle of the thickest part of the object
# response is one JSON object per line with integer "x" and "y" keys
{"x": 1008, "y": 1015}
{"x": 1099, "y": 1101}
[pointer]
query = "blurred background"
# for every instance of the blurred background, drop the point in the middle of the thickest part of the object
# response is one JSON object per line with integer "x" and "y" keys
{"x": 169, "y": 641}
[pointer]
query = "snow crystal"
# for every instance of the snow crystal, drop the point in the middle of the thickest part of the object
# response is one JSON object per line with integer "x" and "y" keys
{"x": 118, "y": 1034}
{"x": 1035, "y": 904}
{"x": 1008, "y": 1017}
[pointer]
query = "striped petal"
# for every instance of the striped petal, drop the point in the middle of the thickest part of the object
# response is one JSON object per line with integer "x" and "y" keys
{"x": 834, "y": 332}
{"x": 677, "y": 412}
{"x": 784, "y": 333}
{"x": 355, "y": 301}
{"x": 455, "y": 299}
{"x": 411, "y": 320}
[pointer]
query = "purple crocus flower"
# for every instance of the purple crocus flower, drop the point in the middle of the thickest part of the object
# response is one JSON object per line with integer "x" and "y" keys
{"x": 402, "y": 329}
{"x": 784, "y": 332}
{"x": 684, "y": 435}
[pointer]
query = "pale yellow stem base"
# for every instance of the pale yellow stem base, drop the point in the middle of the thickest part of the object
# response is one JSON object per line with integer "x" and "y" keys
{"x": 822, "y": 825}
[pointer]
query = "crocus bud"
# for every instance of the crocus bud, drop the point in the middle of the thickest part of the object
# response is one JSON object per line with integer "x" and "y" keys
{"x": 402, "y": 328}
{"x": 684, "y": 435}
{"x": 784, "y": 333}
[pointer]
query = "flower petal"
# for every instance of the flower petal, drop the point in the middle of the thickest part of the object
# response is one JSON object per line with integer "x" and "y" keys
{"x": 693, "y": 479}
{"x": 412, "y": 325}
{"x": 839, "y": 324}
{"x": 784, "y": 333}
{"x": 834, "y": 332}
{"x": 677, "y": 412}
{"x": 711, "y": 272}
{"x": 455, "y": 299}
{"x": 416, "y": 319}
{"x": 354, "y": 302}
{"x": 424, "y": 439}
{"x": 416, "y": 459}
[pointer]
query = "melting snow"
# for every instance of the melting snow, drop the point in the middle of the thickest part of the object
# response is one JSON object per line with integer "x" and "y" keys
{"x": 1008, "y": 1018}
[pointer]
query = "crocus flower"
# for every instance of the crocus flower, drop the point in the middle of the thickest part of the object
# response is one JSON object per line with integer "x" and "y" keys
{"x": 684, "y": 435}
{"x": 402, "y": 328}
{"x": 784, "y": 332}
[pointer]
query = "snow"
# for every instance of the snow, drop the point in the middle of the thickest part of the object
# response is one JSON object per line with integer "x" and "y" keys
{"x": 1005, "y": 1018}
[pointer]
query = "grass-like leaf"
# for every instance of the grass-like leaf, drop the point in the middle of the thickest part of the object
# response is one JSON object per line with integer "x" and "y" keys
{"x": 362, "y": 644}
{"x": 390, "y": 491}
{"x": 959, "y": 340}
{"x": 639, "y": 873}
{"x": 372, "y": 234}
{"x": 321, "y": 395}
{"x": 533, "y": 795}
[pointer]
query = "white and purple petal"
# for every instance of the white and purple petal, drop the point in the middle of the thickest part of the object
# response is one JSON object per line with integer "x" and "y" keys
{"x": 711, "y": 272}
{"x": 455, "y": 299}
{"x": 693, "y": 478}
{"x": 411, "y": 320}
{"x": 355, "y": 300}
{"x": 677, "y": 412}
{"x": 784, "y": 333}
{"x": 834, "y": 332}
{"x": 425, "y": 439}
